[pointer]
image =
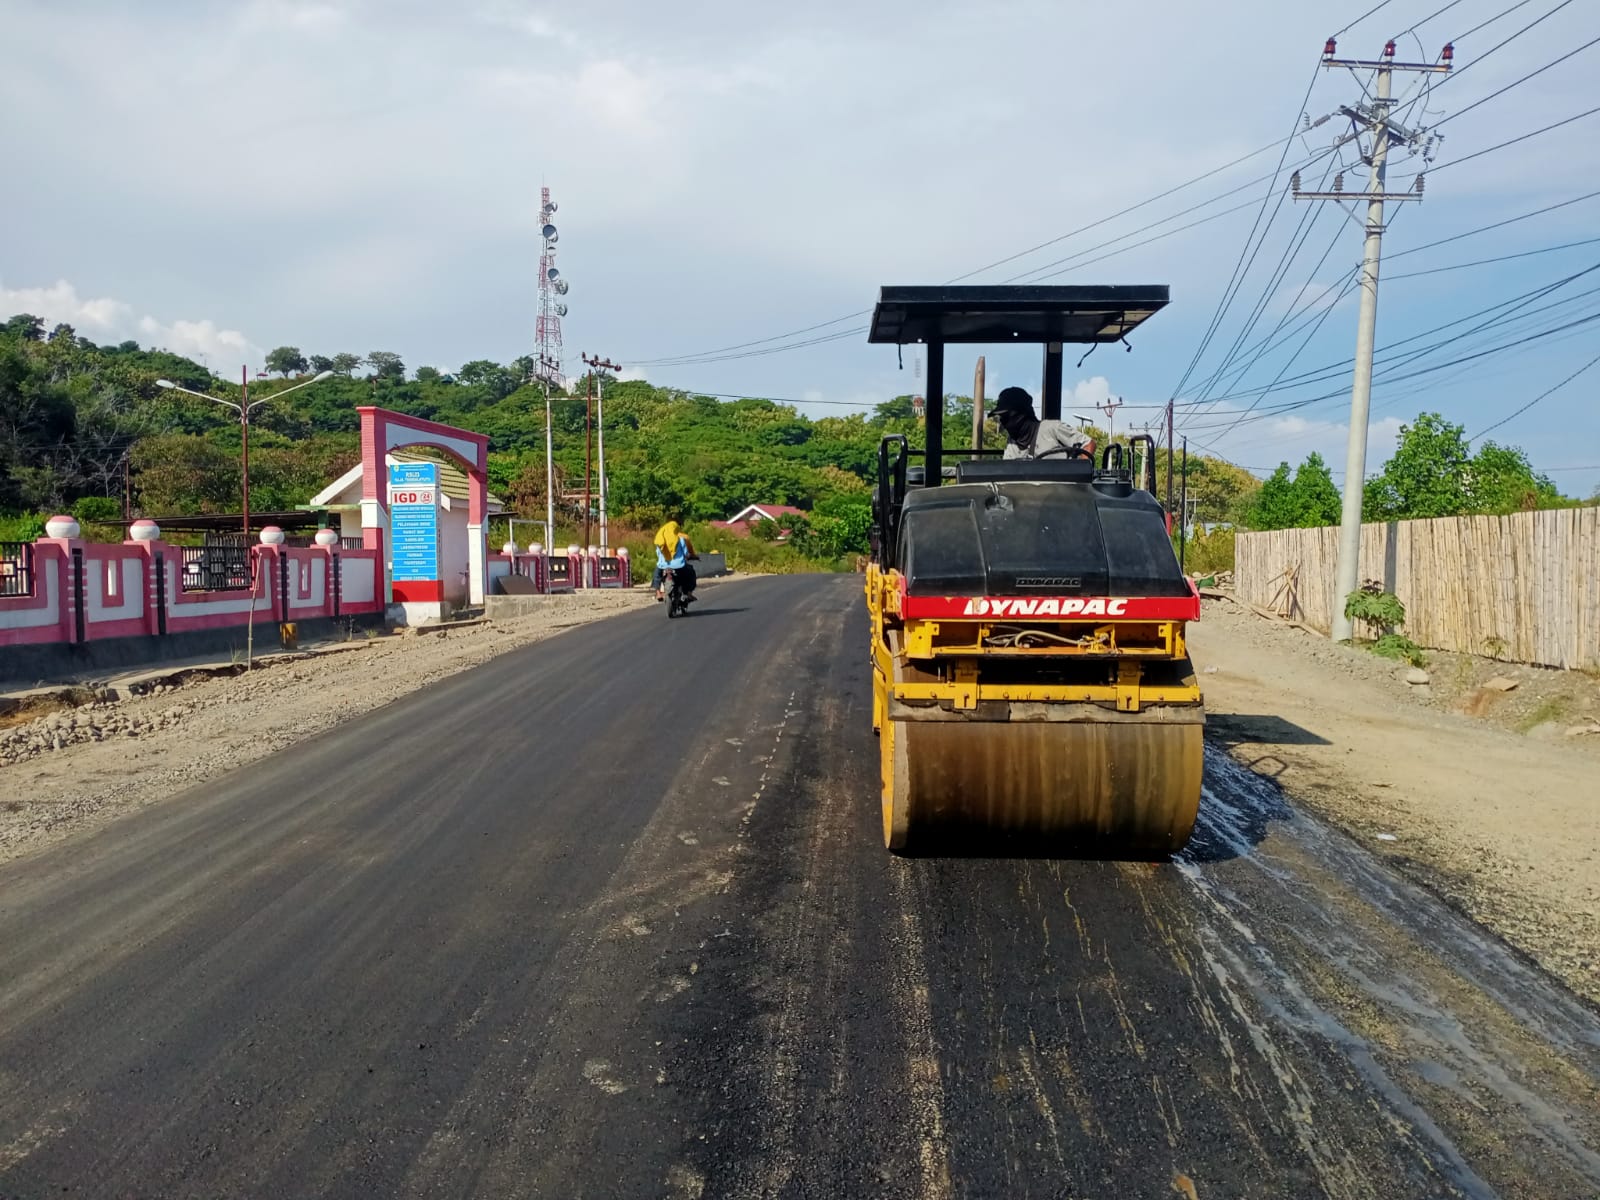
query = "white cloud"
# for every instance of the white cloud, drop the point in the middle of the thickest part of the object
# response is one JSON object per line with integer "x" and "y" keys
{"x": 1262, "y": 444}
{"x": 293, "y": 17}
{"x": 97, "y": 318}
{"x": 104, "y": 319}
{"x": 201, "y": 340}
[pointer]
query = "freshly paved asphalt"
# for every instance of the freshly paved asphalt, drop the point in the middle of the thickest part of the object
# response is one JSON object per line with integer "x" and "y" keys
{"x": 610, "y": 916}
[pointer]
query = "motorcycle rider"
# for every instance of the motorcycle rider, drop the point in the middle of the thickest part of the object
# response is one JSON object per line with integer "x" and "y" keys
{"x": 674, "y": 551}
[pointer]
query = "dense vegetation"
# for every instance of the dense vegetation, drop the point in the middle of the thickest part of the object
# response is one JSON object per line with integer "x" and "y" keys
{"x": 84, "y": 427}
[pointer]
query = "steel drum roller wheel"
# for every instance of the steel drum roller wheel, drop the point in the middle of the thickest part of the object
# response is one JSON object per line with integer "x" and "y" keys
{"x": 1098, "y": 788}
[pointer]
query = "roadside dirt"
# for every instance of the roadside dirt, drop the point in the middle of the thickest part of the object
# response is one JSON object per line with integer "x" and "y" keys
{"x": 1498, "y": 812}
{"x": 76, "y": 769}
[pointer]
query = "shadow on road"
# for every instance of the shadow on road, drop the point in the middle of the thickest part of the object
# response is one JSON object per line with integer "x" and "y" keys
{"x": 715, "y": 612}
{"x": 1233, "y": 729}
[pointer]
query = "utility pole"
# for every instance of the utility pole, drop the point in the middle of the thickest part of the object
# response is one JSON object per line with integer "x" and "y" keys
{"x": 977, "y": 408}
{"x": 1373, "y": 118}
{"x": 1170, "y": 449}
{"x": 588, "y": 451}
{"x": 600, "y": 414}
{"x": 1110, "y": 409}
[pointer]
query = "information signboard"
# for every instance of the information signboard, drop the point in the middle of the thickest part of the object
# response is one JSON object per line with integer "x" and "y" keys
{"x": 414, "y": 521}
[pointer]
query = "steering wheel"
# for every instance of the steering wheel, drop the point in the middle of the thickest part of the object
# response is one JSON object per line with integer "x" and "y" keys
{"x": 1069, "y": 452}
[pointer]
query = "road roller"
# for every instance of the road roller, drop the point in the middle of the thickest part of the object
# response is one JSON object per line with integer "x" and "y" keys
{"x": 1031, "y": 685}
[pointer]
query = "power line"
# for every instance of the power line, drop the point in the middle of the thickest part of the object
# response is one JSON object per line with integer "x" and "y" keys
{"x": 1423, "y": 372}
{"x": 1438, "y": 12}
{"x": 1518, "y": 82}
{"x": 1131, "y": 208}
{"x": 1075, "y": 265}
{"x": 1363, "y": 17}
{"x": 1391, "y": 362}
{"x": 1461, "y": 37}
{"x": 1243, "y": 261}
{"x": 1479, "y": 262}
{"x": 1456, "y": 162}
{"x": 1547, "y": 392}
{"x": 1291, "y": 251}
{"x": 1200, "y": 178}
{"x": 1496, "y": 225}
{"x": 1038, "y": 271}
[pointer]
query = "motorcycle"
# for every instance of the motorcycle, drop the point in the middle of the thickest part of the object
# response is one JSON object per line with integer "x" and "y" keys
{"x": 678, "y": 600}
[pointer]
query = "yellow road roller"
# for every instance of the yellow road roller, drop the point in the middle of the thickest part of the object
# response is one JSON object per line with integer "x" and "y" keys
{"x": 1031, "y": 684}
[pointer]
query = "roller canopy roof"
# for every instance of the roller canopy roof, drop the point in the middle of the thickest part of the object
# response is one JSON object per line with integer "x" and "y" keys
{"x": 1021, "y": 314}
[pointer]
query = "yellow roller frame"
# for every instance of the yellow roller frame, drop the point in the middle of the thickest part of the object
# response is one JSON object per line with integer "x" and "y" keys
{"x": 1111, "y": 767}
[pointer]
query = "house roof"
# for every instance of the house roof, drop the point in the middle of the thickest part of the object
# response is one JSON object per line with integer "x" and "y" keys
{"x": 770, "y": 512}
{"x": 454, "y": 485}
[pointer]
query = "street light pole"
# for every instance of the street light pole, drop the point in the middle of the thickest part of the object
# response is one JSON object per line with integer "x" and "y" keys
{"x": 244, "y": 446}
{"x": 243, "y": 409}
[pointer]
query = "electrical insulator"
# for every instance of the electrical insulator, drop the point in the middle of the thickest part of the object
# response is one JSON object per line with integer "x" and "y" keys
{"x": 1388, "y": 50}
{"x": 1294, "y": 181}
{"x": 1419, "y": 184}
{"x": 1327, "y": 51}
{"x": 1338, "y": 182}
{"x": 1448, "y": 53}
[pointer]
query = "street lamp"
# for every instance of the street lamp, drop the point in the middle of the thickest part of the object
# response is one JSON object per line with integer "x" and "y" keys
{"x": 244, "y": 408}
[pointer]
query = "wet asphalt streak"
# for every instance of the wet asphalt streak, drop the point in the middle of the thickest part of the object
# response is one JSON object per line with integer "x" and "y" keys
{"x": 610, "y": 916}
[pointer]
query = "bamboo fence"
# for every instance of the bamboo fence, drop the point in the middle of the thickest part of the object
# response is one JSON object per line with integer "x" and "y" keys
{"x": 1524, "y": 587}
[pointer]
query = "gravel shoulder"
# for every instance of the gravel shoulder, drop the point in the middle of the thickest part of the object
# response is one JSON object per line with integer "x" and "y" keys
{"x": 78, "y": 769}
{"x": 1450, "y": 781}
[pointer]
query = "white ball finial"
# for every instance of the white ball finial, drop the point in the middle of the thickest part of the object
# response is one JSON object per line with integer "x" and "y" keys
{"x": 536, "y": 548}
{"x": 62, "y": 526}
{"x": 327, "y": 537}
{"x": 271, "y": 535}
{"x": 509, "y": 548}
{"x": 144, "y": 530}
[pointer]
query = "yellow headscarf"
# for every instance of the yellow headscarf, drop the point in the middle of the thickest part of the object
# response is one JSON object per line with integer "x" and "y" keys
{"x": 667, "y": 540}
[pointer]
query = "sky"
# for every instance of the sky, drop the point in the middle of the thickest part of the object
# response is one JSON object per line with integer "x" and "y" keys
{"x": 356, "y": 175}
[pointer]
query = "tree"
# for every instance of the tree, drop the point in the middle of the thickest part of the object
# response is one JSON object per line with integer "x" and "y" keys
{"x": 497, "y": 381}
{"x": 25, "y": 327}
{"x": 386, "y": 365}
{"x": 182, "y": 473}
{"x": 1304, "y": 501}
{"x": 346, "y": 364}
{"x": 428, "y": 375}
{"x": 1427, "y": 477}
{"x": 1274, "y": 506}
{"x": 1501, "y": 480}
{"x": 320, "y": 363}
{"x": 286, "y": 361}
{"x": 1317, "y": 495}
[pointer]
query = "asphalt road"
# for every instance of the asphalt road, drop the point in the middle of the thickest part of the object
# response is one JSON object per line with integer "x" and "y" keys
{"x": 609, "y": 916}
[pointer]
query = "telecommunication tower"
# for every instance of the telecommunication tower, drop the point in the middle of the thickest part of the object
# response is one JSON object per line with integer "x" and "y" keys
{"x": 552, "y": 288}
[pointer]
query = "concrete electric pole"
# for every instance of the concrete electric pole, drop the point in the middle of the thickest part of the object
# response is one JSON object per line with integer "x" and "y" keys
{"x": 1110, "y": 409}
{"x": 1373, "y": 118}
{"x": 977, "y": 408}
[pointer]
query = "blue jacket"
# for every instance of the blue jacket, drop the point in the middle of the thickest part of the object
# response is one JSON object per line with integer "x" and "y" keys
{"x": 679, "y": 558}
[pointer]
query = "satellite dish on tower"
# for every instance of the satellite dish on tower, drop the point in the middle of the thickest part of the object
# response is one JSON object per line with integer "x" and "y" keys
{"x": 549, "y": 232}
{"x": 561, "y": 310}
{"x": 551, "y": 207}
{"x": 552, "y": 272}
{"x": 561, "y": 285}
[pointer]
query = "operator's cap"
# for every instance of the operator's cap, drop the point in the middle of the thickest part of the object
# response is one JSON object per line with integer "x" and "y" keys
{"x": 1012, "y": 399}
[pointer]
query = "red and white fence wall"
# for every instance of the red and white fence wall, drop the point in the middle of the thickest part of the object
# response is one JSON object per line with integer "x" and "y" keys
{"x": 63, "y": 589}
{"x": 555, "y": 573}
